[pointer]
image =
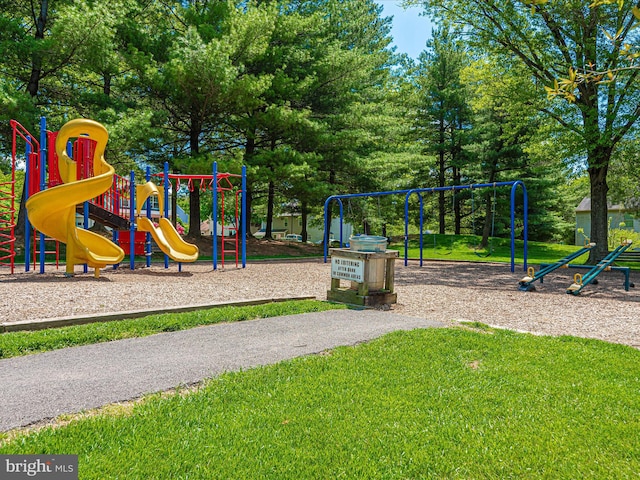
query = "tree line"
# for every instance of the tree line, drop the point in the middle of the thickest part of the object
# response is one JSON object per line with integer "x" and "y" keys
{"x": 311, "y": 97}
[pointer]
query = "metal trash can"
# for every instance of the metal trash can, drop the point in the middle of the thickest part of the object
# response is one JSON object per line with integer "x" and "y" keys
{"x": 376, "y": 270}
{"x": 368, "y": 243}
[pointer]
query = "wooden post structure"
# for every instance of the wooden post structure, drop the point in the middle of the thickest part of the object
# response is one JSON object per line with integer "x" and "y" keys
{"x": 371, "y": 275}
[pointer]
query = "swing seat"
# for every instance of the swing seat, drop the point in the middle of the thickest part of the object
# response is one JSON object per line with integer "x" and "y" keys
{"x": 573, "y": 287}
{"x": 479, "y": 252}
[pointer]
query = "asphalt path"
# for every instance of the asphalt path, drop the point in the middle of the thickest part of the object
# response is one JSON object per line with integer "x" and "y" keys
{"x": 40, "y": 387}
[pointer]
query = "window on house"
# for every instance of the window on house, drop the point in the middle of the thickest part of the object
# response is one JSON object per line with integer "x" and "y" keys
{"x": 628, "y": 221}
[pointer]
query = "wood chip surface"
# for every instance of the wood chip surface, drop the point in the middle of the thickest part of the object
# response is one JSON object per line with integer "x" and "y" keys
{"x": 444, "y": 291}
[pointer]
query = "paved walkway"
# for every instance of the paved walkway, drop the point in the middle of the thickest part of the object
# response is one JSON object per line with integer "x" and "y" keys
{"x": 42, "y": 386}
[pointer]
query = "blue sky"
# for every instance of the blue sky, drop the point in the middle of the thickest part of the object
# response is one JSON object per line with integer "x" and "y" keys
{"x": 410, "y": 30}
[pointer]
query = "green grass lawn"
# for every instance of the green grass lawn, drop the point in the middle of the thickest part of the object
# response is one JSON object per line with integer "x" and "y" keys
{"x": 437, "y": 403}
{"x": 13, "y": 344}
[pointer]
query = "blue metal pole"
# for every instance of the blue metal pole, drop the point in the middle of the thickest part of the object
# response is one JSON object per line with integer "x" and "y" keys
{"x": 85, "y": 225}
{"x": 115, "y": 235}
{"x": 214, "y": 214}
{"x": 525, "y": 219}
{"x": 514, "y": 187}
{"x": 406, "y": 224}
{"x": 243, "y": 214}
{"x": 512, "y": 221}
{"x": 326, "y": 227}
{"x": 406, "y": 228}
{"x": 85, "y": 207}
{"x": 70, "y": 155}
{"x": 525, "y": 233}
{"x": 27, "y": 223}
{"x": 166, "y": 202}
{"x": 341, "y": 221}
{"x": 85, "y": 218}
{"x": 132, "y": 218}
{"x": 43, "y": 167}
{"x": 114, "y": 239}
{"x": 147, "y": 240}
{"x": 421, "y": 226}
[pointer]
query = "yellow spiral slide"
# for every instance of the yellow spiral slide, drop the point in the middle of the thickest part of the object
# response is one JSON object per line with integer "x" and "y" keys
{"x": 53, "y": 211}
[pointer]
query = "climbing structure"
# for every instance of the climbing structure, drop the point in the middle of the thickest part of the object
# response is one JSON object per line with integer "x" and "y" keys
{"x": 8, "y": 195}
{"x": 227, "y": 213}
{"x": 118, "y": 203}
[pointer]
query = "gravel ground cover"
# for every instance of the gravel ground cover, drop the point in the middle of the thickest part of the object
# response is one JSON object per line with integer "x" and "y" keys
{"x": 444, "y": 291}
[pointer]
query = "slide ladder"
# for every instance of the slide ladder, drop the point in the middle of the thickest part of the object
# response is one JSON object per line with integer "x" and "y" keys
{"x": 526, "y": 284}
{"x": 579, "y": 281}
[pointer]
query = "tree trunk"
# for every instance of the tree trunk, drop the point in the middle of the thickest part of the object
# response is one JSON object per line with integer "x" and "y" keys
{"x": 488, "y": 216}
{"x": 457, "y": 204}
{"x": 36, "y": 61}
{"x": 174, "y": 207}
{"x": 441, "y": 178}
{"x": 249, "y": 151}
{"x": 599, "y": 210}
{"x": 600, "y": 147}
{"x": 488, "y": 220}
{"x": 442, "y": 206}
{"x": 366, "y": 227}
{"x": 32, "y": 88}
{"x": 194, "y": 211}
{"x": 194, "y": 195}
{"x": 249, "y": 205}
{"x": 268, "y": 234}
{"x": 328, "y": 220}
{"x": 327, "y": 232}
{"x": 106, "y": 87}
{"x": 303, "y": 218}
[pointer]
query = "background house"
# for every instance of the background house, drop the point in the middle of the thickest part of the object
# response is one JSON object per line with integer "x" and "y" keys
{"x": 206, "y": 228}
{"x": 291, "y": 223}
{"x": 617, "y": 214}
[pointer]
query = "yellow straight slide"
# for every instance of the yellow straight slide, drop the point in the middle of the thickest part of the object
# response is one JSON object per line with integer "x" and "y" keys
{"x": 169, "y": 240}
{"x": 53, "y": 211}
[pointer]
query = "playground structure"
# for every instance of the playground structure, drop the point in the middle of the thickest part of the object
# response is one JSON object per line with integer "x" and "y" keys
{"x": 74, "y": 177}
{"x": 579, "y": 281}
{"x": 526, "y": 284}
{"x": 419, "y": 191}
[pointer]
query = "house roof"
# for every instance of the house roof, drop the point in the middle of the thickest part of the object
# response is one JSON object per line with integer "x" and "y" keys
{"x": 585, "y": 206}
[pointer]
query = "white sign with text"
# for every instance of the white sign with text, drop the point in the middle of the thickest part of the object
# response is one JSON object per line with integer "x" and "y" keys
{"x": 347, "y": 269}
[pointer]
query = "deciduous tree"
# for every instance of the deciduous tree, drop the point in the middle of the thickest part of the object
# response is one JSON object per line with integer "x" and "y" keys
{"x": 553, "y": 40}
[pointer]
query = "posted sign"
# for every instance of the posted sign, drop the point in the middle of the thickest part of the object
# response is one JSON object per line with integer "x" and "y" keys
{"x": 347, "y": 269}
